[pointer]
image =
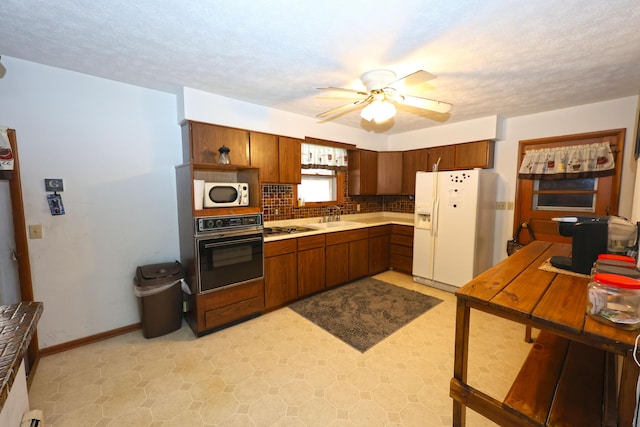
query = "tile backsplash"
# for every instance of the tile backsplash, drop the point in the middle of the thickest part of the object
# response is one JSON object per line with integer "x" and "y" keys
{"x": 278, "y": 204}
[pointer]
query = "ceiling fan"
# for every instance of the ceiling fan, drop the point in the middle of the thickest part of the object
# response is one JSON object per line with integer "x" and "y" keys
{"x": 383, "y": 92}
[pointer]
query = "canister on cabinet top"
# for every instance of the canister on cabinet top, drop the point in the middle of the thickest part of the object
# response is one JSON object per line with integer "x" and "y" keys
{"x": 614, "y": 299}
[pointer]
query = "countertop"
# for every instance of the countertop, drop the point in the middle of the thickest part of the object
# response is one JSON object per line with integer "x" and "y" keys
{"x": 17, "y": 326}
{"x": 362, "y": 220}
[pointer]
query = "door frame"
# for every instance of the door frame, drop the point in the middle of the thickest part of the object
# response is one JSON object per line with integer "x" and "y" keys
{"x": 617, "y": 147}
{"x": 22, "y": 246}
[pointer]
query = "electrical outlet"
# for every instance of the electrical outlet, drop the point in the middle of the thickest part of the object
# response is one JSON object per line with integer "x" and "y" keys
{"x": 500, "y": 206}
{"x": 277, "y": 211}
{"x": 358, "y": 207}
{"x": 35, "y": 231}
{"x": 509, "y": 206}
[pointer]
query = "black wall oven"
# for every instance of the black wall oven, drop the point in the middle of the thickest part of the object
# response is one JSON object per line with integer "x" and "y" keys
{"x": 230, "y": 251}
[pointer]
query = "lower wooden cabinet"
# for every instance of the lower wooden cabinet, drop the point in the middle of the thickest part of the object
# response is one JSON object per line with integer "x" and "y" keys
{"x": 401, "y": 256}
{"x": 337, "y": 264}
{"x": 311, "y": 264}
{"x": 379, "y": 240}
{"x": 280, "y": 273}
{"x": 347, "y": 256}
{"x": 358, "y": 259}
{"x": 218, "y": 308}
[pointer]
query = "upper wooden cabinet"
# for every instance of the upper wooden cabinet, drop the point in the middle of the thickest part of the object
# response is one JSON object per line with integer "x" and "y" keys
{"x": 471, "y": 155}
{"x": 263, "y": 149}
{"x": 445, "y": 153}
{"x": 389, "y": 172}
{"x": 201, "y": 142}
{"x": 289, "y": 159}
{"x": 363, "y": 172}
{"x": 278, "y": 157}
{"x": 412, "y": 162}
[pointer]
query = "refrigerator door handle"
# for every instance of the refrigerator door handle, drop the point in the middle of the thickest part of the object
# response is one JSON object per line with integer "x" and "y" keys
{"x": 435, "y": 214}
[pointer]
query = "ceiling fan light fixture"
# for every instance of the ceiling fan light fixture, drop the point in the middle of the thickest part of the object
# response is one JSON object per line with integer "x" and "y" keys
{"x": 378, "y": 111}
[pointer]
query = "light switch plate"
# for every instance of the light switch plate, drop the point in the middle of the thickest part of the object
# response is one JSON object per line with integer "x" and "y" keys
{"x": 35, "y": 231}
{"x": 53, "y": 184}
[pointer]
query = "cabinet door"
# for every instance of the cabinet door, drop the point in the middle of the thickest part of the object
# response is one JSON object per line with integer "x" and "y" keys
{"x": 263, "y": 149}
{"x": 446, "y": 154}
{"x": 206, "y": 139}
{"x": 358, "y": 259}
{"x": 471, "y": 155}
{"x": 378, "y": 254}
{"x": 412, "y": 162}
{"x": 363, "y": 172}
{"x": 311, "y": 271}
{"x": 337, "y": 264}
{"x": 389, "y": 172}
{"x": 289, "y": 159}
{"x": 280, "y": 280}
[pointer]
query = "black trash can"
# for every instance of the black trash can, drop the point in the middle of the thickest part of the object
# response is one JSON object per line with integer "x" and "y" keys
{"x": 159, "y": 291}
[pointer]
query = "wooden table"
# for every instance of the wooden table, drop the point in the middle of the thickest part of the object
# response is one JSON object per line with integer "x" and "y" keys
{"x": 518, "y": 290}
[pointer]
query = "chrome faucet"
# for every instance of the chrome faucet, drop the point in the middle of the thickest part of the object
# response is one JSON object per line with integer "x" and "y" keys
{"x": 336, "y": 214}
{"x": 326, "y": 213}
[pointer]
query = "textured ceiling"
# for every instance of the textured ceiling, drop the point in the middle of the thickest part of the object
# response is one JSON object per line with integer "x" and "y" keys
{"x": 504, "y": 57}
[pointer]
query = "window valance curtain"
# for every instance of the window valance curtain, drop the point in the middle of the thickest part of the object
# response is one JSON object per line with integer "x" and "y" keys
{"x": 569, "y": 162}
{"x": 323, "y": 157}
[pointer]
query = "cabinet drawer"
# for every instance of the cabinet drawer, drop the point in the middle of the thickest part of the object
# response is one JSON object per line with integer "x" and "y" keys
{"x": 401, "y": 263}
{"x": 381, "y": 230}
{"x": 310, "y": 242}
{"x": 232, "y": 312}
{"x": 399, "y": 239}
{"x": 406, "y": 230}
{"x": 231, "y": 295}
{"x": 402, "y": 250}
{"x": 347, "y": 236}
{"x": 279, "y": 247}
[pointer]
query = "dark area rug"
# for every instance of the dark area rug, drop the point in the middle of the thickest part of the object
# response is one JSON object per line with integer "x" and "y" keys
{"x": 365, "y": 312}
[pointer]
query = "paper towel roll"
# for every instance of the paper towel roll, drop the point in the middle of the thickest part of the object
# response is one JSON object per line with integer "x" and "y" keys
{"x": 198, "y": 193}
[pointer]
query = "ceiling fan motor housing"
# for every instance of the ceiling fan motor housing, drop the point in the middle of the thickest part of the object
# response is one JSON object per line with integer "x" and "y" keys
{"x": 378, "y": 79}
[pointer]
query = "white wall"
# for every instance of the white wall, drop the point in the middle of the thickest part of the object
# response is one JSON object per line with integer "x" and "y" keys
{"x": 115, "y": 146}
{"x": 447, "y": 134}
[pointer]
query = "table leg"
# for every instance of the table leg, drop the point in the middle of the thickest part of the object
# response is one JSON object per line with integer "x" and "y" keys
{"x": 461, "y": 357}
{"x": 627, "y": 396}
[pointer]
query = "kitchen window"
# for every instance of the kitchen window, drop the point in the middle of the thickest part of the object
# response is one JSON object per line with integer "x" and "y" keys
{"x": 319, "y": 187}
{"x": 577, "y": 195}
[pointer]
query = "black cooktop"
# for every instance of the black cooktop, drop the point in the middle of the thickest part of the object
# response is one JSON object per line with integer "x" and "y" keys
{"x": 277, "y": 231}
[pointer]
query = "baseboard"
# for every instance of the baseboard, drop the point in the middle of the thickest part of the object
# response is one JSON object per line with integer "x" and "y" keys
{"x": 88, "y": 340}
{"x": 434, "y": 284}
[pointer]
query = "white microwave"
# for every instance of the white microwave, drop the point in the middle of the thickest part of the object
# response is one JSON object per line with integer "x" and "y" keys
{"x": 225, "y": 194}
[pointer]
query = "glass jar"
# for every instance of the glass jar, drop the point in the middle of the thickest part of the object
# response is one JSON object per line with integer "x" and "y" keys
{"x": 224, "y": 159}
{"x": 614, "y": 299}
{"x": 616, "y": 264}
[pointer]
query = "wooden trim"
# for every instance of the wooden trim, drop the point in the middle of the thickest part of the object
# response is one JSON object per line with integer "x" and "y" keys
{"x": 89, "y": 340}
{"x": 317, "y": 141}
{"x": 20, "y": 237}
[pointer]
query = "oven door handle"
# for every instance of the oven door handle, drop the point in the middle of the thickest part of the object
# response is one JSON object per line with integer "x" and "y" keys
{"x": 232, "y": 242}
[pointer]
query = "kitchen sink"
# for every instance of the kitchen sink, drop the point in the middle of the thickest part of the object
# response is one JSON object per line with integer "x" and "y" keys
{"x": 333, "y": 224}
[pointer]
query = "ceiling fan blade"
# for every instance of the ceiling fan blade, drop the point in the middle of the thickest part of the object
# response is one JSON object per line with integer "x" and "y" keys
{"x": 334, "y": 111}
{"x": 414, "y": 79}
{"x": 341, "y": 89}
{"x": 424, "y": 103}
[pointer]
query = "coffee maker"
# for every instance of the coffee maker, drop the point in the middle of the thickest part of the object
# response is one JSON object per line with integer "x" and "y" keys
{"x": 592, "y": 236}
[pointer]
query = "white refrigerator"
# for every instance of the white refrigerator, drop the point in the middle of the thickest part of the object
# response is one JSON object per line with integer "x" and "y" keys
{"x": 454, "y": 225}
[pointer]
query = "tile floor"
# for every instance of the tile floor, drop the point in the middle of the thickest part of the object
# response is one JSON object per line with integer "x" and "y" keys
{"x": 278, "y": 370}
